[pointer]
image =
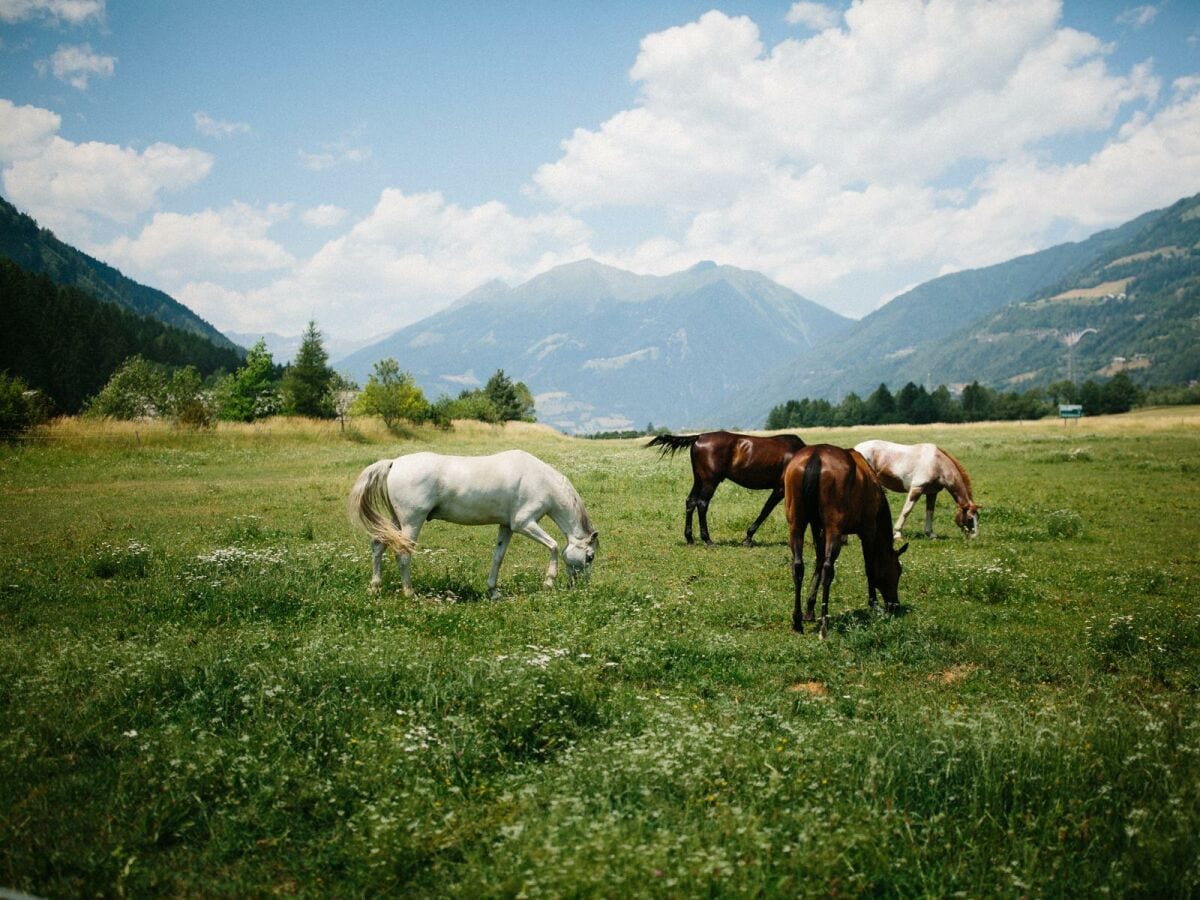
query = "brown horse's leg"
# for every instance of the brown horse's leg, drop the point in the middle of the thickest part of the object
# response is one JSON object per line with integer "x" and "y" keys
{"x": 772, "y": 502}
{"x": 699, "y": 500}
{"x": 870, "y": 572}
{"x": 796, "y": 539}
{"x": 693, "y": 500}
{"x": 827, "y": 573}
{"x": 819, "y": 567}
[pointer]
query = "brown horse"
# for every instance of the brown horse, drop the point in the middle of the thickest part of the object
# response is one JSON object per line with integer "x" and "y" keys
{"x": 836, "y": 493}
{"x": 752, "y": 462}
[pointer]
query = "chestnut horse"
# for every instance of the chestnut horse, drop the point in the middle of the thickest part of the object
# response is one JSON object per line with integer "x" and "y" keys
{"x": 752, "y": 462}
{"x": 835, "y": 492}
{"x": 916, "y": 469}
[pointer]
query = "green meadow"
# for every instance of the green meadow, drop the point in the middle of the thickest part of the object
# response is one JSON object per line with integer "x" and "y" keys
{"x": 199, "y": 697}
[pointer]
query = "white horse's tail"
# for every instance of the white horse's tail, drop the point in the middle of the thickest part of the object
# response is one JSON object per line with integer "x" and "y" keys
{"x": 371, "y": 510}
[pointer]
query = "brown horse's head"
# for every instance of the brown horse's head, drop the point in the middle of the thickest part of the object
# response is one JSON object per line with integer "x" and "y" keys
{"x": 967, "y": 518}
{"x": 887, "y": 573}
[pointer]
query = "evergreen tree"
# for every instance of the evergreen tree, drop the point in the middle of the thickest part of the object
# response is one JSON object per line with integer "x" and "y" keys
{"x": 880, "y": 407}
{"x": 512, "y": 400}
{"x": 307, "y": 382}
{"x": 976, "y": 402}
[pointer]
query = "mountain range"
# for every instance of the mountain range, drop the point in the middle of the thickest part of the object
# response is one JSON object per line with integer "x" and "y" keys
{"x": 718, "y": 346}
{"x": 602, "y": 348}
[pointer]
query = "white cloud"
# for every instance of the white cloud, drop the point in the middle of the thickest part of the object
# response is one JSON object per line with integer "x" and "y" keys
{"x": 174, "y": 247}
{"x": 25, "y": 131}
{"x": 1138, "y": 16}
{"x": 324, "y": 216}
{"x": 78, "y": 64}
{"x": 217, "y": 128}
{"x": 332, "y": 155}
{"x": 74, "y": 12}
{"x": 412, "y": 255}
{"x": 843, "y": 153}
{"x": 816, "y": 16}
{"x": 66, "y": 186}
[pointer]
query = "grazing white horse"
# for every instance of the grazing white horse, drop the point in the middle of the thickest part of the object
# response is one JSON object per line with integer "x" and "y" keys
{"x": 918, "y": 469}
{"x": 393, "y": 498}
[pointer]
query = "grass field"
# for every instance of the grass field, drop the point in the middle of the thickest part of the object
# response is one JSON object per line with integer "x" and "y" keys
{"x": 199, "y": 697}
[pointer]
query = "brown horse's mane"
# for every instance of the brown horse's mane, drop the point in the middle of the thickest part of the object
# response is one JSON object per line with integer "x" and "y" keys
{"x": 962, "y": 473}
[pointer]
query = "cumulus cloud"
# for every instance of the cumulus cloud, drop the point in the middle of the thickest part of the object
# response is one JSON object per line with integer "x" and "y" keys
{"x": 844, "y": 152}
{"x": 78, "y": 64}
{"x": 412, "y": 255}
{"x": 66, "y": 186}
{"x": 324, "y": 216}
{"x": 233, "y": 240}
{"x": 73, "y": 12}
{"x": 816, "y": 16}
{"x": 25, "y": 131}
{"x": 217, "y": 128}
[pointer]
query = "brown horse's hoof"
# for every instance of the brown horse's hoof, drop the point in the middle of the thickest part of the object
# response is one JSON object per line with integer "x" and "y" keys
{"x": 809, "y": 617}
{"x": 748, "y": 542}
{"x": 797, "y": 627}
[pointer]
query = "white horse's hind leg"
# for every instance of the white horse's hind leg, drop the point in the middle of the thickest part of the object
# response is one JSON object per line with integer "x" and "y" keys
{"x": 909, "y": 502}
{"x": 535, "y": 531}
{"x": 376, "y": 565}
{"x": 404, "y": 560}
{"x": 502, "y": 539}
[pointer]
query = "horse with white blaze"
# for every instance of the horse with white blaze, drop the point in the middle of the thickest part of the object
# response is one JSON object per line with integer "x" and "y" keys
{"x": 393, "y": 498}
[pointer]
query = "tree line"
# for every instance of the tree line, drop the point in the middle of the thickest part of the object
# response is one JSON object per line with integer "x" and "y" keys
{"x": 308, "y": 387}
{"x": 914, "y": 405}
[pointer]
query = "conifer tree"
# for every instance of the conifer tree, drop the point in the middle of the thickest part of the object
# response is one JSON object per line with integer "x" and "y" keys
{"x": 308, "y": 380}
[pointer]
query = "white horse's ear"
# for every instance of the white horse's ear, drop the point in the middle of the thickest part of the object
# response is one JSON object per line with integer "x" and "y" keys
{"x": 903, "y": 547}
{"x": 594, "y": 538}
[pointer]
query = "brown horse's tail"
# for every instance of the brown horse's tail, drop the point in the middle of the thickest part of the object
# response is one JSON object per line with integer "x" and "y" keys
{"x": 371, "y": 510}
{"x": 810, "y": 499}
{"x": 672, "y": 442}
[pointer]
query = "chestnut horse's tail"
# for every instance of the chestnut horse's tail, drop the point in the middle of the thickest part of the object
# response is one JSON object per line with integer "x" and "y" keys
{"x": 672, "y": 442}
{"x": 810, "y": 499}
{"x": 371, "y": 510}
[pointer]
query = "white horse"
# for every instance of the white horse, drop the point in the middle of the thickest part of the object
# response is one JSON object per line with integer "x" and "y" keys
{"x": 393, "y": 498}
{"x": 918, "y": 469}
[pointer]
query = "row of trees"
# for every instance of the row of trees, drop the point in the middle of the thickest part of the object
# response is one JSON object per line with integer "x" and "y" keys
{"x": 914, "y": 405}
{"x": 307, "y": 387}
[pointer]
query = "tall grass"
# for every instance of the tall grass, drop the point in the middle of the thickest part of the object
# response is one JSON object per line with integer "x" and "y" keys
{"x": 198, "y": 696}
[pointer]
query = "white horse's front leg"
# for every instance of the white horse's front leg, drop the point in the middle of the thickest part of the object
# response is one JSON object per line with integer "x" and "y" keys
{"x": 535, "y": 531}
{"x": 502, "y": 539}
{"x": 909, "y": 502}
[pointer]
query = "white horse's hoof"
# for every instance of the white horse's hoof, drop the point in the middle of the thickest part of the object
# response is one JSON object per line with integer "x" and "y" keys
{"x": 373, "y": 588}
{"x": 494, "y": 594}
{"x": 548, "y": 583}
{"x": 409, "y": 593}
{"x": 896, "y": 536}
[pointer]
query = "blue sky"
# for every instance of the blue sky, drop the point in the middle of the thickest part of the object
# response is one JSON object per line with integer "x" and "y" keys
{"x": 365, "y": 164}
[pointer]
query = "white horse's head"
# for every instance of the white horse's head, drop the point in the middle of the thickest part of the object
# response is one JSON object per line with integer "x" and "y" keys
{"x": 967, "y": 518}
{"x": 580, "y": 552}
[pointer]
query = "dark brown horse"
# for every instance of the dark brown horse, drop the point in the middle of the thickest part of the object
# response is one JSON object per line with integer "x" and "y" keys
{"x": 752, "y": 462}
{"x": 836, "y": 493}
